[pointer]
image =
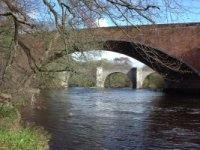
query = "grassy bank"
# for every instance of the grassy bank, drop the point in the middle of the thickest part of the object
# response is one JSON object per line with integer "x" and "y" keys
{"x": 15, "y": 136}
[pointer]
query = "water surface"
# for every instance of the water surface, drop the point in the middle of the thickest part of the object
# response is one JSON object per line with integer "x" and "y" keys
{"x": 117, "y": 119}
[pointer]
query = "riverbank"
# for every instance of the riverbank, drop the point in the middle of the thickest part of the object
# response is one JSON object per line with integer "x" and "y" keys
{"x": 15, "y": 134}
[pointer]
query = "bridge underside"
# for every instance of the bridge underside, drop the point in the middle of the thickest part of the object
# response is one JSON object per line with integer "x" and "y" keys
{"x": 176, "y": 73}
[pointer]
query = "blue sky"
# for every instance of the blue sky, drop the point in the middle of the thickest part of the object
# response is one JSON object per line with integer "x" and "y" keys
{"x": 189, "y": 11}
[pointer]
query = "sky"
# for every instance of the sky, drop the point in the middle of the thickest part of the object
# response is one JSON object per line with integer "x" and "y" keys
{"x": 189, "y": 11}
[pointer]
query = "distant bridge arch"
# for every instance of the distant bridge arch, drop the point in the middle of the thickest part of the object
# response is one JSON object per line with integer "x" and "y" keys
{"x": 135, "y": 75}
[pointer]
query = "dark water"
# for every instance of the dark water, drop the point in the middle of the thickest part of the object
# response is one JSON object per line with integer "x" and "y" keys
{"x": 118, "y": 119}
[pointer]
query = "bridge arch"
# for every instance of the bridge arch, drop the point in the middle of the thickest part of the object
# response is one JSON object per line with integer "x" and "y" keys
{"x": 174, "y": 71}
{"x": 136, "y": 76}
{"x": 177, "y": 74}
{"x": 175, "y": 40}
{"x": 153, "y": 81}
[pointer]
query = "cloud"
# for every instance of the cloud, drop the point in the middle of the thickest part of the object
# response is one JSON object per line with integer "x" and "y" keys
{"x": 112, "y": 55}
{"x": 33, "y": 15}
{"x": 102, "y": 22}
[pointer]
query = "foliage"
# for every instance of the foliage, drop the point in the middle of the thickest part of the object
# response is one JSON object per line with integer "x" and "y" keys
{"x": 23, "y": 139}
{"x": 8, "y": 117}
{"x": 6, "y": 36}
{"x": 47, "y": 80}
{"x": 85, "y": 73}
{"x": 154, "y": 81}
{"x": 117, "y": 80}
{"x": 15, "y": 136}
{"x": 81, "y": 80}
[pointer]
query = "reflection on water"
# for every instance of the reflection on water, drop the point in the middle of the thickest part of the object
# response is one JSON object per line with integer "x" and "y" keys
{"x": 80, "y": 118}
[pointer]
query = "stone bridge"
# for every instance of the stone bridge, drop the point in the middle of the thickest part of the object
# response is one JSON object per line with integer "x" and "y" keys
{"x": 172, "y": 50}
{"x": 136, "y": 76}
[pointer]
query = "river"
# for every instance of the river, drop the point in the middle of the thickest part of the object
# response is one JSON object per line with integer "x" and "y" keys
{"x": 117, "y": 119}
